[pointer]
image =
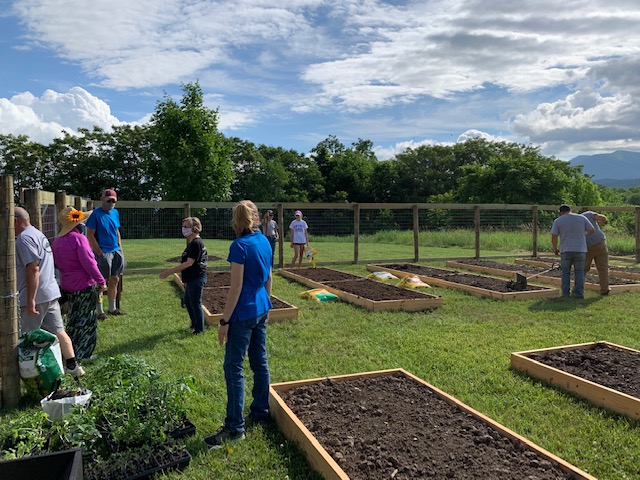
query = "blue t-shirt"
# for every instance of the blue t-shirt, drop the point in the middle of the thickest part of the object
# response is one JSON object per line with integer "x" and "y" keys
{"x": 106, "y": 225}
{"x": 254, "y": 252}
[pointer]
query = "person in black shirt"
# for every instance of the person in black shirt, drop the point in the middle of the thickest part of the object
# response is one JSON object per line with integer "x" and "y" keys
{"x": 193, "y": 268}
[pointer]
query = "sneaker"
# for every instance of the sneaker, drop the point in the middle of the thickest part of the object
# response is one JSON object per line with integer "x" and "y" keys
{"x": 225, "y": 435}
{"x": 102, "y": 316}
{"x": 75, "y": 371}
{"x": 117, "y": 311}
{"x": 250, "y": 422}
{"x": 604, "y": 294}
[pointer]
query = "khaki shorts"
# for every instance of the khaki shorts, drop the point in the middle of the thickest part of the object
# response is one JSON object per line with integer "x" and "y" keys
{"x": 49, "y": 318}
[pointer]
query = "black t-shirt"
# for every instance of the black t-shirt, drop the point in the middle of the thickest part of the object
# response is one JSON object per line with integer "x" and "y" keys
{"x": 196, "y": 250}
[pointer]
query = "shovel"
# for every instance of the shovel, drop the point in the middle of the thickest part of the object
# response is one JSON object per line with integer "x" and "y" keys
{"x": 521, "y": 280}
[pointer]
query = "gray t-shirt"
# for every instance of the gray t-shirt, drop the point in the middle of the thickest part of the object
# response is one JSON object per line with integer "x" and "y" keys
{"x": 33, "y": 246}
{"x": 572, "y": 229}
{"x": 597, "y": 236}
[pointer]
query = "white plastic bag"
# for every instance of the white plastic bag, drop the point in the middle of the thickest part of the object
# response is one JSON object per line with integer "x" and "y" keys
{"x": 62, "y": 406}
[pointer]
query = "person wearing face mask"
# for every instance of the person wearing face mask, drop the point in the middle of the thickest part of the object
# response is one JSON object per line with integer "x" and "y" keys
{"x": 193, "y": 270}
{"x": 103, "y": 233}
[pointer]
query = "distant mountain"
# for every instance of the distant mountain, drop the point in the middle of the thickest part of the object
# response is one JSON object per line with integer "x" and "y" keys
{"x": 619, "y": 169}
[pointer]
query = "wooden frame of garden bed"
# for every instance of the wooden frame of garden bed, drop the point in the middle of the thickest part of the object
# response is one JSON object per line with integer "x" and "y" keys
{"x": 595, "y": 393}
{"x": 477, "y": 291}
{"x": 275, "y": 314}
{"x": 406, "y": 305}
{"x": 556, "y": 281}
{"x": 323, "y": 463}
{"x": 612, "y": 272}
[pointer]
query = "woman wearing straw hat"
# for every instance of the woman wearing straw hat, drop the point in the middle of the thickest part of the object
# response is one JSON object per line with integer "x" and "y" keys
{"x": 80, "y": 280}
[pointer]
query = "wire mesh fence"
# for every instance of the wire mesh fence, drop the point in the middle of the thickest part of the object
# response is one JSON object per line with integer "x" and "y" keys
{"x": 358, "y": 233}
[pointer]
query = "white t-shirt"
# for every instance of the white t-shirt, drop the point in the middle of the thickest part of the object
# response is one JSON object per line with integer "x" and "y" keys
{"x": 299, "y": 228}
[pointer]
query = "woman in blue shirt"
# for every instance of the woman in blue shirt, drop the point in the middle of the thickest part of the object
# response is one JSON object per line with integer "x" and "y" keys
{"x": 243, "y": 326}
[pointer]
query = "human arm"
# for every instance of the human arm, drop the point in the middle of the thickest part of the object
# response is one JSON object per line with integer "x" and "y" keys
{"x": 88, "y": 262}
{"x": 291, "y": 235}
{"x": 183, "y": 266}
{"x": 237, "y": 277}
{"x": 554, "y": 244}
{"x": 93, "y": 242}
{"x": 275, "y": 231}
{"x": 306, "y": 236}
{"x": 32, "y": 278}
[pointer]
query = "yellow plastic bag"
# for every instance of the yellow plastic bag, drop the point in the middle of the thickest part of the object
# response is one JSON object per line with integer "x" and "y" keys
{"x": 411, "y": 281}
{"x": 310, "y": 254}
{"x": 319, "y": 295}
{"x": 383, "y": 276}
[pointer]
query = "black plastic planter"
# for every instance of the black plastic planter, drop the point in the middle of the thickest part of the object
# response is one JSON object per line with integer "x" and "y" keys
{"x": 185, "y": 430}
{"x": 65, "y": 465}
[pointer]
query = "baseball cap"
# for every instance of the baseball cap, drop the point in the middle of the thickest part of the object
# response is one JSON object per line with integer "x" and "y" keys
{"x": 109, "y": 193}
{"x": 564, "y": 208}
{"x": 298, "y": 212}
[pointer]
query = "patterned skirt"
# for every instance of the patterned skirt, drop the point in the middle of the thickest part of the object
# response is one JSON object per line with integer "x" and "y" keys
{"x": 82, "y": 321}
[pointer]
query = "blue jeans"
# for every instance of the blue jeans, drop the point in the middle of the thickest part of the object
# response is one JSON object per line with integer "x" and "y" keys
{"x": 193, "y": 302}
{"x": 272, "y": 242}
{"x": 248, "y": 336}
{"x": 577, "y": 260}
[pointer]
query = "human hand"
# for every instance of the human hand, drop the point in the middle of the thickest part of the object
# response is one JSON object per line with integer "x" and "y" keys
{"x": 223, "y": 331}
{"x": 164, "y": 274}
{"x": 31, "y": 309}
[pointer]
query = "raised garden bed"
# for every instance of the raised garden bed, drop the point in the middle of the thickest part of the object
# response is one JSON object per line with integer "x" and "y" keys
{"x": 479, "y": 285}
{"x": 632, "y": 273}
{"x": 603, "y": 373}
{"x": 550, "y": 278}
{"x": 215, "y": 299}
{"x": 64, "y": 465}
{"x": 391, "y": 424}
{"x": 370, "y": 294}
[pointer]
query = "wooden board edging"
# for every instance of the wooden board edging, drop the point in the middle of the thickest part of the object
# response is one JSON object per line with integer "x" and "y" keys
{"x": 477, "y": 291}
{"x": 595, "y": 393}
{"x": 275, "y": 314}
{"x": 612, "y": 271}
{"x": 323, "y": 463}
{"x": 406, "y": 305}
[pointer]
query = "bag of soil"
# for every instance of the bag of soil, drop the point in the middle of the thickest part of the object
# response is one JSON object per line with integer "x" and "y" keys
{"x": 319, "y": 295}
{"x": 40, "y": 359}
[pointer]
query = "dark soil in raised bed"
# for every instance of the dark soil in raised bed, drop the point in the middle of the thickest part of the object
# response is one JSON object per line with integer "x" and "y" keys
{"x": 606, "y": 365}
{"x": 374, "y": 290}
{"x": 529, "y": 270}
{"x": 469, "y": 279}
{"x": 323, "y": 275}
{"x": 613, "y": 268}
{"x": 394, "y": 427}
{"x": 216, "y": 298}
{"x": 218, "y": 279}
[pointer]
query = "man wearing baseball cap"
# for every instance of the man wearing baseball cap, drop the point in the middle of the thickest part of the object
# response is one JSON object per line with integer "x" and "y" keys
{"x": 103, "y": 232}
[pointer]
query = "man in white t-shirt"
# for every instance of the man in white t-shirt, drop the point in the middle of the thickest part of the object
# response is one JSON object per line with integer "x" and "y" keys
{"x": 573, "y": 230}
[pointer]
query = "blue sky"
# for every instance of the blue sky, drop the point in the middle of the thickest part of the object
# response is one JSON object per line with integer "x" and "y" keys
{"x": 560, "y": 75}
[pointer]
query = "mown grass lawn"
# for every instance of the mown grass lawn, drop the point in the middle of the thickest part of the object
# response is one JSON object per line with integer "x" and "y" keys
{"x": 462, "y": 348}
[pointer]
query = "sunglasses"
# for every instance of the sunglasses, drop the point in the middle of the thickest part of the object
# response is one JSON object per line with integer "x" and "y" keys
{"x": 111, "y": 201}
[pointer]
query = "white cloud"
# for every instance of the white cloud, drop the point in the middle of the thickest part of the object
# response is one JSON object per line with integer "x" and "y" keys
{"x": 46, "y": 117}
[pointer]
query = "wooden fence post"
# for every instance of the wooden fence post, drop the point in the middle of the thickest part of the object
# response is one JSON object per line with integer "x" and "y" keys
{"x": 32, "y": 205}
{"x": 9, "y": 371}
{"x": 280, "y": 211}
{"x": 534, "y": 240}
{"x": 187, "y": 210}
{"x": 61, "y": 203}
{"x": 356, "y": 232}
{"x": 637, "y": 234}
{"x": 77, "y": 203}
{"x": 416, "y": 234}
{"x": 476, "y": 220}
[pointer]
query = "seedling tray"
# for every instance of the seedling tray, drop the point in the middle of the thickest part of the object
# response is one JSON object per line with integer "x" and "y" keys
{"x": 320, "y": 459}
{"x": 595, "y": 393}
{"x": 477, "y": 291}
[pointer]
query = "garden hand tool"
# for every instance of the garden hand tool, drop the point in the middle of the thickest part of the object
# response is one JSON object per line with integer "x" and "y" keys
{"x": 521, "y": 279}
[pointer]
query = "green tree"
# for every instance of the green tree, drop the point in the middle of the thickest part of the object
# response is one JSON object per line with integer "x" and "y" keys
{"x": 194, "y": 158}
{"x": 24, "y": 160}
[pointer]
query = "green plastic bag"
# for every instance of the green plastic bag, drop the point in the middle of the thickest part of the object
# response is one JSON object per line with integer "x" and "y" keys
{"x": 40, "y": 359}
